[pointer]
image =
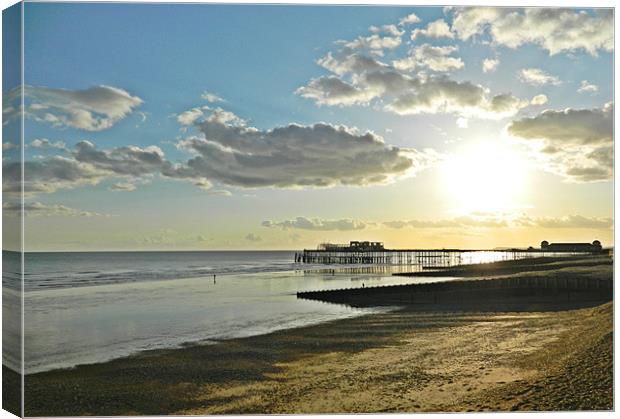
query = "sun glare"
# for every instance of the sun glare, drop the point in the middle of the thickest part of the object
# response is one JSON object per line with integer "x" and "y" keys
{"x": 485, "y": 177}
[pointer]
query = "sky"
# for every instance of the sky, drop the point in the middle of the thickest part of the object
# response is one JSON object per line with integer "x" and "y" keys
{"x": 220, "y": 127}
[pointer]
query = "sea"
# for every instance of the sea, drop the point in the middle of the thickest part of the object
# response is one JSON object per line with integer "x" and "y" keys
{"x": 90, "y": 307}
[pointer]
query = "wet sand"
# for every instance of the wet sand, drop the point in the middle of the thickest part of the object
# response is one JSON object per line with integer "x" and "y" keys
{"x": 401, "y": 361}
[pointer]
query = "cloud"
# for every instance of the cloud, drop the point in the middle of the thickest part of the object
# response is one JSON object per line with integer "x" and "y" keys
{"x": 568, "y": 126}
{"x": 501, "y": 220}
{"x": 387, "y": 37}
{"x": 228, "y": 152}
{"x": 434, "y": 58}
{"x": 123, "y": 161}
{"x": 347, "y": 62}
{"x": 472, "y": 221}
{"x": 464, "y": 99}
{"x": 163, "y": 236}
{"x": 574, "y": 143}
{"x": 48, "y": 175}
{"x": 587, "y": 87}
{"x": 123, "y": 187}
{"x": 45, "y": 143}
{"x": 436, "y": 29}
{"x": 9, "y": 146}
{"x": 87, "y": 165}
{"x": 330, "y": 90}
{"x": 93, "y": 109}
{"x": 391, "y": 30}
{"x": 211, "y": 97}
{"x": 319, "y": 155}
{"x": 303, "y": 223}
{"x": 538, "y": 77}
{"x": 219, "y": 192}
{"x": 405, "y": 86}
{"x": 253, "y": 238}
{"x": 457, "y": 222}
{"x": 409, "y": 20}
{"x": 569, "y": 221}
{"x": 556, "y": 30}
{"x": 539, "y": 100}
{"x": 190, "y": 116}
{"x": 489, "y": 65}
{"x": 37, "y": 209}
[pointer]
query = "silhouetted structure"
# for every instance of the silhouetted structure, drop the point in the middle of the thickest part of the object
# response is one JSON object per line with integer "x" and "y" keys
{"x": 595, "y": 246}
{"x": 366, "y": 252}
{"x": 353, "y": 246}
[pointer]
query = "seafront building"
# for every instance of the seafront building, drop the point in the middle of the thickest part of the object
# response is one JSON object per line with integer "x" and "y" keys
{"x": 595, "y": 246}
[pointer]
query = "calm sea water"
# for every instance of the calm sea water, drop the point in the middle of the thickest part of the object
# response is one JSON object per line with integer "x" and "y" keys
{"x": 92, "y": 307}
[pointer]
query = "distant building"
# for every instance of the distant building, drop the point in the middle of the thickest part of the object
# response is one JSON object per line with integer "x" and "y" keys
{"x": 366, "y": 246}
{"x": 595, "y": 246}
{"x": 354, "y": 246}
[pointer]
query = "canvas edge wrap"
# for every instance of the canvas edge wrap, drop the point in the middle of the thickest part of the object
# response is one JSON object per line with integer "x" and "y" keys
{"x": 12, "y": 210}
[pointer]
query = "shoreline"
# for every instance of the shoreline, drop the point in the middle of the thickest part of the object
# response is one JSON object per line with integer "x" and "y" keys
{"x": 402, "y": 361}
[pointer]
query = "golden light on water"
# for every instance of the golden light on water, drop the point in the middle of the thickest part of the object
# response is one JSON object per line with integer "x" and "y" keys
{"x": 485, "y": 177}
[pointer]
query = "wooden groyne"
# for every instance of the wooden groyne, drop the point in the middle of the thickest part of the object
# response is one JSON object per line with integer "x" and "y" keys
{"x": 515, "y": 293}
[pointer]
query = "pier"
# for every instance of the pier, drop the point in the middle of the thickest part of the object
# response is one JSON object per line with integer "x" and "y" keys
{"x": 373, "y": 253}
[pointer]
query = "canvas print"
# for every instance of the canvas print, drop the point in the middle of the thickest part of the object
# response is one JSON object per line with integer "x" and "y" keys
{"x": 298, "y": 209}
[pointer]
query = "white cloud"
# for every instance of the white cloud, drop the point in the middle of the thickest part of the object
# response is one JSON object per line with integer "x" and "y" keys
{"x": 475, "y": 220}
{"x": 410, "y": 85}
{"x": 343, "y": 63}
{"x": 94, "y": 109}
{"x": 504, "y": 220}
{"x": 537, "y": 77}
{"x": 539, "y": 100}
{"x": 303, "y": 223}
{"x": 45, "y": 143}
{"x": 211, "y": 97}
{"x": 434, "y": 58}
{"x": 574, "y": 143}
{"x": 409, "y": 19}
{"x": 568, "y": 221}
{"x": 436, "y": 29}
{"x": 553, "y": 29}
{"x": 587, "y": 87}
{"x": 391, "y": 30}
{"x": 375, "y": 43}
{"x": 190, "y": 116}
{"x": 489, "y": 65}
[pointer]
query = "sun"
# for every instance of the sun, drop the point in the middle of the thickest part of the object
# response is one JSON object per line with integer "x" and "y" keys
{"x": 485, "y": 177}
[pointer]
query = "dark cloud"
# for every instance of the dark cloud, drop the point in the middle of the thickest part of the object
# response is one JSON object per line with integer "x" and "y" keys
{"x": 296, "y": 156}
{"x": 37, "y": 209}
{"x": 93, "y": 109}
{"x": 574, "y": 143}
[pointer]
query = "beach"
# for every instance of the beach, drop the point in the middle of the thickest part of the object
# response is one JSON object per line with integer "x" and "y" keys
{"x": 402, "y": 360}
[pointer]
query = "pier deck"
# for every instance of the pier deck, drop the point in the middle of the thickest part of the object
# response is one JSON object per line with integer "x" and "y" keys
{"x": 424, "y": 257}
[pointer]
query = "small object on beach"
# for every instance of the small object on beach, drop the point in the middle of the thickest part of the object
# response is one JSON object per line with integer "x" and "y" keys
{"x": 363, "y": 285}
{"x": 214, "y": 278}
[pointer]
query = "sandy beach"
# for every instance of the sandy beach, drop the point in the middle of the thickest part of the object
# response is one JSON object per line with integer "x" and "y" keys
{"x": 400, "y": 361}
